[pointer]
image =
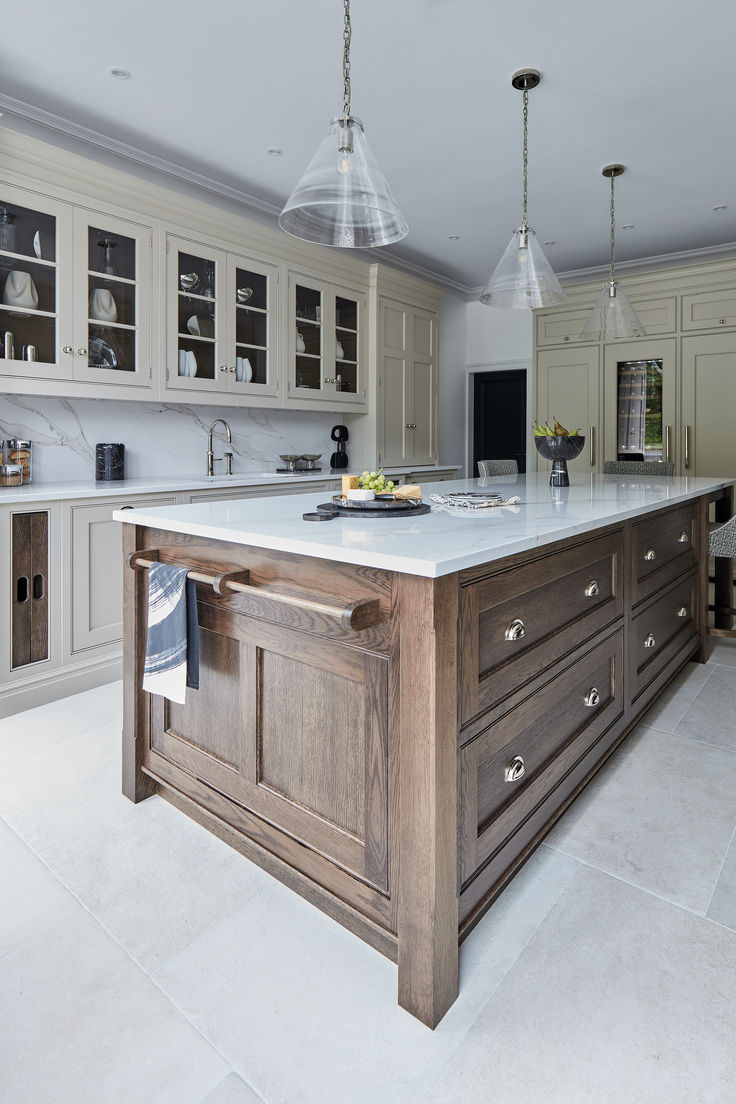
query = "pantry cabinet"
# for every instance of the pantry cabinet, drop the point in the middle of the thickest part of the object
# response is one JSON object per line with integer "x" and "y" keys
{"x": 568, "y": 388}
{"x": 407, "y": 384}
{"x": 708, "y": 404}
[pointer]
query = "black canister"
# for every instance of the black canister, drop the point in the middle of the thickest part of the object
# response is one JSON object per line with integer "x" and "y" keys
{"x": 109, "y": 462}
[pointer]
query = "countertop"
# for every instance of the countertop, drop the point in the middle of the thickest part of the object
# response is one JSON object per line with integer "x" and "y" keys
{"x": 119, "y": 488}
{"x": 442, "y": 541}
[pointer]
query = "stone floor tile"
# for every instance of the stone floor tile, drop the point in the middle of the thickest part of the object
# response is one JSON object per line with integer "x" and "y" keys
{"x": 711, "y": 718}
{"x": 722, "y": 907}
{"x": 671, "y": 706}
{"x": 233, "y": 1090}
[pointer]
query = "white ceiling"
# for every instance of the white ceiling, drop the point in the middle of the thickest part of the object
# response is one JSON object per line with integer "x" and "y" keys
{"x": 644, "y": 82}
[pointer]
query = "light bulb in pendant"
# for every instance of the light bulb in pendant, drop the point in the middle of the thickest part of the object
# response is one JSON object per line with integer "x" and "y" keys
{"x": 344, "y": 163}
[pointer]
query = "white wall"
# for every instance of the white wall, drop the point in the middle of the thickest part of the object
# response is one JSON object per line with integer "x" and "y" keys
{"x": 497, "y": 334}
{"x": 453, "y": 326}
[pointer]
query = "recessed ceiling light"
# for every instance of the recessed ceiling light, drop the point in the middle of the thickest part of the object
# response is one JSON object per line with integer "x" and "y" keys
{"x": 453, "y": 237}
{"x": 119, "y": 74}
{"x": 720, "y": 207}
{"x": 628, "y": 226}
{"x": 550, "y": 242}
{"x": 274, "y": 151}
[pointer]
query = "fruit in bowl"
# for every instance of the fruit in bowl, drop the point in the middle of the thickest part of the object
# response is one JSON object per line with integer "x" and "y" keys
{"x": 559, "y": 446}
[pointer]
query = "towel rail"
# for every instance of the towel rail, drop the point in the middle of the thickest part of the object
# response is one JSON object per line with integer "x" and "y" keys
{"x": 356, "y": 616}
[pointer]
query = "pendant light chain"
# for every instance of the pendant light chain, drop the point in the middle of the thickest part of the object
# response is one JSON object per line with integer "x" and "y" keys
{"x": 346, "y": 35}
{"x": 613, "y": 228}
{"x": 525, "y": 155}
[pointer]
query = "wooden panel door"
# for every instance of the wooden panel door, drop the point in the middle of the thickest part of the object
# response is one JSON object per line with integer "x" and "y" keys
{"x": 271, "y": 700}
{"x": 395, "y": 446}
{"x": 568, "y": 388}
{"x": 708, "y": 405}
{"x": 423, "y": 419}
{"x": 30, "y": 603}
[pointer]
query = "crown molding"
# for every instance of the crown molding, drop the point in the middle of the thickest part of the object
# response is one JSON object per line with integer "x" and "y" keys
{"x": 46, "y": 125}
{"x": 652, "y": 264}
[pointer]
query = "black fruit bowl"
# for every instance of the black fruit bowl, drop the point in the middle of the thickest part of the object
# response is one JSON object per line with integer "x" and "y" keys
{"x": 559, "y": 450}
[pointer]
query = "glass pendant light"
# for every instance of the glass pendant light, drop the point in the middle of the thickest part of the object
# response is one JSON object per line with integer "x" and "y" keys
{"x": 523, "y": 278}
{"x": 613, "y": 315}
{"x": 343, "y": 198}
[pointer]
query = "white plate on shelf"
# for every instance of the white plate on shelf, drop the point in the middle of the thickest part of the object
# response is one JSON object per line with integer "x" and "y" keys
{"x": 201, "y": 325}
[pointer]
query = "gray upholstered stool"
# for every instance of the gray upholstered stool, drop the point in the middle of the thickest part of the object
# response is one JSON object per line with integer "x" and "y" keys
{"x": 498, "y": 467}
{"x": 638, "y": 467}
{"x": 722, "y": 542}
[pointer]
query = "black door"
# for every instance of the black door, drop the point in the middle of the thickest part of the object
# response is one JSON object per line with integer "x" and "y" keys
{"x": 499, "y": 417}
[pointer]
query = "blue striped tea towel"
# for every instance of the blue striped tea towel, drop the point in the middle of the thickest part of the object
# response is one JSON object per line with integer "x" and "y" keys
{"x": 172, "y": 647}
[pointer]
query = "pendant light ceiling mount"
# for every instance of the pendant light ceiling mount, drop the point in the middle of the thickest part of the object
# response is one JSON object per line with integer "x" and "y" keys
{"x": 342, "y": 198}
{"x": 523, "y": 278}
{"x": 612, "y": 170}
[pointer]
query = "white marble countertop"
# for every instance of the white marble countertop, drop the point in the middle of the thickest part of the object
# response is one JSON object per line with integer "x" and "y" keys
{"x": 442, "y": 541}
{"x": 53, "y": 492}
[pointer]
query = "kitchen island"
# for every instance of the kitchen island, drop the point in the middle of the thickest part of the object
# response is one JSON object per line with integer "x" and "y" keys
{"x": 393, "y": 713}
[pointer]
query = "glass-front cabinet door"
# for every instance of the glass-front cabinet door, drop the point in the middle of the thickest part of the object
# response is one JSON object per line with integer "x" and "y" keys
{"x": 307, "y": 322}
{"x": 112, "y": 300}
{"x": 197, "y": 312}
{"x": 35, "y": 286}
{"x": 347, "y": 373}
{"x": 640, "y": 401}
{"x": 326, "y": 360}
{"x": 252, "y": 361}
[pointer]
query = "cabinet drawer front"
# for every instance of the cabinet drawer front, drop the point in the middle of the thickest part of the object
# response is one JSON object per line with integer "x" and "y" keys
{"x": 509, "y": 769}
{"x": 561, "y": 327}
{"x": 709, "y": 310}
{"x": 519, "y": 622}
{"x": 657, "y": 316}
{"x": 661, "y": 629}
{"x": 662, "y": 547}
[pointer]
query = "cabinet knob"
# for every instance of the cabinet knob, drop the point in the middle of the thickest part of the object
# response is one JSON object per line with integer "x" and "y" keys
{"x": 592, "y": 698}
{"x": 82, "y": 352}
{"x": 223, "y": 367}
{"x": 683, "y": 538}
{"x": 721, "y": 321}
{"x": 231, "y": 370}
{"x": 650, "y": 554}
{"x": 68, "y": 349}
{"x": 329, "y": 379}
{"x": 566, "y": 339}
{"x": 592, "y": 590}
{"x": 516, "y": 630}
{"x": 650, "y": 641}
{"x": 411, "y": 425}
{"x": 515, "y": 770}
{"x": 682, "y": 611}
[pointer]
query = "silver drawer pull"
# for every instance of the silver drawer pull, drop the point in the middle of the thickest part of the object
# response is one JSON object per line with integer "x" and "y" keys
{"x": 592, "y": 590}
{"x": 650, "y": 641}
{"x": 592, "y": 698}
{"x": 515, "y": 769}
{"x": 683, "y": 538}
{"x": 682, "y": 611}
{"x": 650, "y": 554}
{"x": 516, "y": 630}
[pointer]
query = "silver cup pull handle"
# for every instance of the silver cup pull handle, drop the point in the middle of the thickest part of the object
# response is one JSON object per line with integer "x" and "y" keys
{"x": 682, "y": 611}
{"x": 516, "y": 630}
{"x": 515, "y": 770}
{"x": 650, "y": 554}
{"x": 592, "y": 590}
{"x": 592, "y": 698}
{"x": 683, "y": 538}
{"x": 650, "y": 641}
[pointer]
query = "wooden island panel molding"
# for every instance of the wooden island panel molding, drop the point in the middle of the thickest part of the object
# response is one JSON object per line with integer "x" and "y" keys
{"x": 398, "y": 773}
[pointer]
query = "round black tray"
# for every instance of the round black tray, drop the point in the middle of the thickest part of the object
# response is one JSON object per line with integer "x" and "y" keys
{"x": 331, "y": 509}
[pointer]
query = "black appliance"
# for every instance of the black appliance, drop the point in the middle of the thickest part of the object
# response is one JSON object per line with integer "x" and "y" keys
{"x": 339, "y": 459}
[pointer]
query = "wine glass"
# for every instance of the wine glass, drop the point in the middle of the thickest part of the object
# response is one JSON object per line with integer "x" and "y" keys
{"x": 108, "y": 268}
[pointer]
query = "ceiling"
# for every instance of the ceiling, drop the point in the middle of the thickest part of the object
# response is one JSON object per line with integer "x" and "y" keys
{"x": 214, "y": 84}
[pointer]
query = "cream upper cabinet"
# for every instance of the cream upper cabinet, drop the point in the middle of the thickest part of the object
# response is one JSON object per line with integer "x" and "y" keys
{"x": 112, "y": 300}
{"x": 657, "y": 316}
{"x": 407, "y": 384}
{"x": 221, "y": 331}
{"x": 568, "y": 388}
{"x": 708, "y": 405}
{"x": 326, "y": 362}
{"x": 640, "y": 400}
{"x": 560, "y": 327}
{"x": 36, "y": 296}
{"x": 709, "y": 310}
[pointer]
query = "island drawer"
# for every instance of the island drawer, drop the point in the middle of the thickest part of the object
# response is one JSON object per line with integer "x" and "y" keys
{"x": 662, "y": 628}
{"x": 662, "y": 547}
{"x": 511, "y": 767}
{"x": 519, "y": 622}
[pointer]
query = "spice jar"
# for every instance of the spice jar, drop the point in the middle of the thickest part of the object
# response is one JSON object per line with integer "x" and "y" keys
{"x": 11, "y": 475}
{"x": 19, "y": 452}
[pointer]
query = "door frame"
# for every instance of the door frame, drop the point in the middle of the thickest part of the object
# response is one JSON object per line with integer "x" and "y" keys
{"x": 524, "y": 365}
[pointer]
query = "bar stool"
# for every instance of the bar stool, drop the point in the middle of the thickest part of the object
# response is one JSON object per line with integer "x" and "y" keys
{"x": 638, "y": 467}
{"x": 497, "y": 467}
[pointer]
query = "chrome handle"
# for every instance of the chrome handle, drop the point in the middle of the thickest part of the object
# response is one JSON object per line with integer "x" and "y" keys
{"x": 231, "y": 370}
{"x": 683, "y": 538}
{"x": 592, "y": 698}
{"x": 223, "y": 367}
{"x": 329, "y": 379}
{"x": 82, "y": 352}
{"x": 650, "y": 554}
{"x": 515, "y": 769}
{"x": 667, "y": 443}
{"x": 687, "y": 446}
{"x": 68, "y": 349}
{"x": 650, "y": 641}
{"x": 592, "y": 446}
{"x": 516, "y": 630}
{"x": 682, "y": 611}
{"x": 592, "y": 590}
{"x": 411, "y": 425}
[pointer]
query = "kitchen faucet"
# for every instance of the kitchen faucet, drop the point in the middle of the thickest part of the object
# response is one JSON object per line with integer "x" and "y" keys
{"x": 211, "y": 458}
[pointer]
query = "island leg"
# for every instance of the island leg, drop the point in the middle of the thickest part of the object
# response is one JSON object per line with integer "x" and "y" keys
{"x": 427, "y": 891}
{"x": 136, "y": 785}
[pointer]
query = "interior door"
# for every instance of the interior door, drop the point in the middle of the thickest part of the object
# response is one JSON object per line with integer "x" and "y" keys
{"x": 499, "y": 417}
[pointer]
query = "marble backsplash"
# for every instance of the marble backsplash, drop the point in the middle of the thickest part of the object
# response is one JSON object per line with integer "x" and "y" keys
{"x": 160, "y": 438}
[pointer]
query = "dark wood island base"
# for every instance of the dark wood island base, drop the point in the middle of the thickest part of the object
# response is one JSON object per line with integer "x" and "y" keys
{"x": 398, "y": 764}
